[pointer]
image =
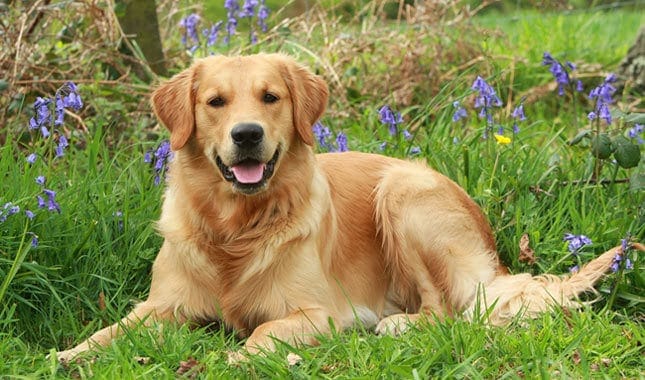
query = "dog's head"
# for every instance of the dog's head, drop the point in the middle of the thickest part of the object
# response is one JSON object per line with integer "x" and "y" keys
{"x": 243, "y": 113}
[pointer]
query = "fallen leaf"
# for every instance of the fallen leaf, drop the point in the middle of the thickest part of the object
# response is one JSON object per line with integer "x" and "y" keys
{"x": 527, "y": 254}
{"x": 101, "y": 301}
{"x": 190, "y": 367}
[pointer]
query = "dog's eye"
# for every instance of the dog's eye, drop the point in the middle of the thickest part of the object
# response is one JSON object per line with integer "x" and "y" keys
{"x": 270, "y": 98}
{"x": 217, "y": 101}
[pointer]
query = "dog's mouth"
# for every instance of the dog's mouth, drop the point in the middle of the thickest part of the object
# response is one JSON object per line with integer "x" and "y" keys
{"x": 248, "y": 175}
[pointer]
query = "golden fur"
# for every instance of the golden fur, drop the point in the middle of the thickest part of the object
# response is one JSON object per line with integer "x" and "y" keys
{"x": 332, "y": 236}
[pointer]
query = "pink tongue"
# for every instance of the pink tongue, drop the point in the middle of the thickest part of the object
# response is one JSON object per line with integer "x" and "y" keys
{"x": 248, "y": 173}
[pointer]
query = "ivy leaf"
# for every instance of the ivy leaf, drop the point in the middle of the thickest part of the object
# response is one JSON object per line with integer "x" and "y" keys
{"x": 627, "y": 154}
{"x": 601, "y": 146}
{"x": 577, "y": 138}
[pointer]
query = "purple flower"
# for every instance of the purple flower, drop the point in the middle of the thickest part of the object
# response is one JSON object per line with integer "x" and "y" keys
{"x": 486, "y": 99}
{"x": 8, "y": 210}
{"x": 162, "y": 156}
{"x": 603, "y": 95}
{"x": 579, "y": 86}
{"x": 42, "y": 115}
{"x": 212, "y": 34}
{"x": 30, "y": 215}
{"x": 390, "y": 118}
{"x": 62, "y": 144}
{"x": 31, "y": 159}
{"x": 322, "y": 133}
{"x": 576, "y": 242}
{"x": 34, "y": 240}
{"x": 382, "y": 146}
{"x": 407, "y": 135}
{"x": 52, "y": 205}
{"x": 415, "y": 150}
{"x": 341, "y": 142}
{"x": 518, "y": 113}
{"x": 263, "y": 14}
{"x": 41, "y": 202}
{"x": 559, "y": 71}
{"x": 248, "y": 9}
{"x": 635, "y": 132}
{"x": 574, "y": 269}
{"x": 615, "y": 265}
{"x": 59, "y": 110}
{"x": 189, "y": 23}
{"x": 40, "y": 180}
{"x": 460, "y": 112}
{"x": 231, "y": 28}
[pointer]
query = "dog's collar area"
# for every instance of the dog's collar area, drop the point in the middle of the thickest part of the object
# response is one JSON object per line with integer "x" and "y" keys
{"x": 242, "y": 175}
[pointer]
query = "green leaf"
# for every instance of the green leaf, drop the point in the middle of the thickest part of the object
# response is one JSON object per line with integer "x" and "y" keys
{"x": 601, "y": 146}
{"x": 582, "y": 134}
{"x": 3, "y": 85}
{"x": 636, "y": 118}
{"x": 627, "y": 155}
{"x": 637, "y": 181}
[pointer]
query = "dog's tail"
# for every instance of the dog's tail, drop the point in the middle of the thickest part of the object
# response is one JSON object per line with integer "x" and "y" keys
{"x": 508, "y": 296}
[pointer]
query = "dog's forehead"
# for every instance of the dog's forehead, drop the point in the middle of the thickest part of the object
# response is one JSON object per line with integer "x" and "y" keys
{"x": 238, "y": 71}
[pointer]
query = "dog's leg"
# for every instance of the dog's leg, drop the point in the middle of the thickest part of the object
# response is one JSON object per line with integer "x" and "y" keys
{"x": 299, "y": 327}
{"x": 437, "y": 244}
{"x": 142, "y": 313}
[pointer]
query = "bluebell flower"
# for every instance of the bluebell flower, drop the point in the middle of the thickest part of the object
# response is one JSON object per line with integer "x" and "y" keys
{"x": 382, "y": 146}
{"x": 8, "y": 210}
{"x": 159, "y": 159}
{"x": 31, "y": 159}
{"x": 415, "y": 150}
{"x": 41, "y": 202}
{"x": 576, "y": 242}
{"x": 263, "y": 14}
{"x": 34, "y": 240}
{"x": 62, "y": 144}
{"x": 29, "y": 214}
{"x": 486, "y": 99}
{"x": 407, "y": 135}
{"x": 40, "y": 180}
{"x": 42, "y": 116}
{"x": 519, "y": 116}
{"x": 212, "y": 34}
{"x": 322, "y": 133}
{"x": 635, "y": 132}
{"x": 460, "y": 112}
{"x": 559, "y": 71}
{"x": 603, "y": 94}
{"x": 52, "y": 205}
{"x": 579, "y": 86}
{"x": 341, "y": 142}
{"x": 189, "y": 23}
{"x": 231, "y": 28}
{"x": 248, "y": 9}
{"x": 391, "y": 119}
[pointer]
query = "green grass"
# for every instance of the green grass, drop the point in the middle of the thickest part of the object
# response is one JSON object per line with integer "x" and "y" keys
{"x": 87, "y": 252}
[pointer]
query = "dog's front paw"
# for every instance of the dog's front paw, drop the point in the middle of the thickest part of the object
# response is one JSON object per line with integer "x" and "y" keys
{"x": 65, "y": 357}
{"x": 394, "y": 324}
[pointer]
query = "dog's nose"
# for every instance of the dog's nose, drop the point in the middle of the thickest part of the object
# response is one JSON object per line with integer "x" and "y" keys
{"x": 247, "y": 135}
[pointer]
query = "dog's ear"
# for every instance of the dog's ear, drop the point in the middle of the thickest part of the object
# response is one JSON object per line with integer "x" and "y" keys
{"x": 174, "y": 104}
{"x": 309, "y": 96}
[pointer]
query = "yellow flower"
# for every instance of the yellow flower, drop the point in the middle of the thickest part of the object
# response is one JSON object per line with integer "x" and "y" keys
{"x": 502, "y": 140}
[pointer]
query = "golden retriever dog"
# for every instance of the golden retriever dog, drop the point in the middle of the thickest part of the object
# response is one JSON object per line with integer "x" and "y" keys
{"x": 275, "y": 241}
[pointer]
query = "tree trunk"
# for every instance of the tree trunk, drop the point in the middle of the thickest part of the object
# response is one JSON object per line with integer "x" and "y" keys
{"x": 138, "y": 19}
{"x": 631, "y": 71}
